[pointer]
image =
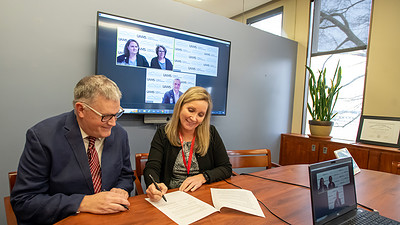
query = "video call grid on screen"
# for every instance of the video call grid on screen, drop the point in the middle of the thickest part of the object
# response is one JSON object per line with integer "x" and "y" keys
{"x": 197, "y": 61}
{"x": 333, "y": 190}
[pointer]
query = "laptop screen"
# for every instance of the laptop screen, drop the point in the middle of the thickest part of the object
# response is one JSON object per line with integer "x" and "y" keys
{"x": 332, "y": 189}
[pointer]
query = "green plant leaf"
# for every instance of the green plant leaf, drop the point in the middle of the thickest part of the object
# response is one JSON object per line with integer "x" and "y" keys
{"x": 323, "y": 96}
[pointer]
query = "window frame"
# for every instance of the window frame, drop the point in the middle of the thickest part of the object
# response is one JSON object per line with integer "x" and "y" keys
{"x": 312, "y": 41}
{"x": 266, "y": 15}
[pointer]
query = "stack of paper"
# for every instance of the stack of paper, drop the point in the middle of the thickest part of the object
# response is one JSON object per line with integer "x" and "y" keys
{"x": 183, "y": 208}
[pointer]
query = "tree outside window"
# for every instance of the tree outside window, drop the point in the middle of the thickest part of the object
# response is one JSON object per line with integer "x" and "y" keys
{"x": 340, "y": 33}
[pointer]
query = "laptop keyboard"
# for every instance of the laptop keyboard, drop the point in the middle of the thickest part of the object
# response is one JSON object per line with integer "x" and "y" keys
{"x": 369, "y": 218}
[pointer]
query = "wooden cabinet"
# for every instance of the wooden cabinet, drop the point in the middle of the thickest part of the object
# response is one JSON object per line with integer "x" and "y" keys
{"x": 381, "y": 158}
{"x": 301, "y": 149}
{"x": 298, "y": 150}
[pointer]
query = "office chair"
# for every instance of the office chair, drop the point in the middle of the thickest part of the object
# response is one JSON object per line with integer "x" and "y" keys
{"x": 138, "y": 184}
{"x": 250, "y": 158}
{"x": 141, "y": 159}
{"x": 12, "y": 176}
{"x": 11, "y": 219}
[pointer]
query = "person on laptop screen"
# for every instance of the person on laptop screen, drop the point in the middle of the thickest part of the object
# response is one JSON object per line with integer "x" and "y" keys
{"x": 337, "y": 204}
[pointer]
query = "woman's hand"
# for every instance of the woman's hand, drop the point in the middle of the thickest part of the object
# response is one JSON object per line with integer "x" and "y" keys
{"x": 154, "y": 194}
{"x": 192, "y": 183}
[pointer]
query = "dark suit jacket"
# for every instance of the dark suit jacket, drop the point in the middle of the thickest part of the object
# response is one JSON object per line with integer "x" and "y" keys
{"x": 140, "y": 60}
{"x": 54, "y": 174}
{"x": 154, "y": 63}
{"x": 169, "y": 95}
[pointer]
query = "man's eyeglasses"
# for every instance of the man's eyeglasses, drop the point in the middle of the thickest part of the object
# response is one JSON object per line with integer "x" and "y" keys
{"x": 106, "y": 118}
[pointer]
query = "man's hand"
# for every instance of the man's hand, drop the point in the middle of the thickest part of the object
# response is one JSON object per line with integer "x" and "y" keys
{"x": 154, "y": 194}
{"x": 104, "y": 202}
{"x": 121, "y": 191}
{"x": 192, "y": 183}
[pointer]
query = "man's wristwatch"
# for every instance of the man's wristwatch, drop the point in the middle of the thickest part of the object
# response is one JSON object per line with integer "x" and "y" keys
{"x": 207, "y": 177}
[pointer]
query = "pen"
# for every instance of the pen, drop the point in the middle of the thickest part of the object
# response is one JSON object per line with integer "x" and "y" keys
{"x": 155, "y": 184}
{"x": 125, "y": 206}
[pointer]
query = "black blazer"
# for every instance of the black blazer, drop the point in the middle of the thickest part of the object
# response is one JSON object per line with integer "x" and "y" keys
{"x": 154, "y": 64}
{"x": 140, "y": 60}
{"x": 163, "y": 155}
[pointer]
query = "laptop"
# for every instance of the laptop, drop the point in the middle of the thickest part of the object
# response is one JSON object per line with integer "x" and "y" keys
{"x": 333, "y": 195}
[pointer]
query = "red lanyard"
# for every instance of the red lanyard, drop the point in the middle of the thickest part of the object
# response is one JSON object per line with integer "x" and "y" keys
{"x": 189, "y": 162}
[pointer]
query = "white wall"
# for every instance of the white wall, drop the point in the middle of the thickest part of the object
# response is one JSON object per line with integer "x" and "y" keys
{"x": 48, "y": 45}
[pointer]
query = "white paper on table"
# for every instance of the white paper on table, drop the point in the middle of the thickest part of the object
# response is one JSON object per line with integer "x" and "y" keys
{"x": 183, "y": 208}
{"x": 239, "y": 199}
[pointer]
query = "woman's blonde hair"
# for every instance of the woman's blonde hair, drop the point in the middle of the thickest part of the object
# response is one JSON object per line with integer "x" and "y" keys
{"x": 202, "y": 131}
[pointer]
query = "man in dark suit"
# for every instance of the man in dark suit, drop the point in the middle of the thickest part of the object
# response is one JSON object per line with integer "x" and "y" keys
{"x": 54, "y": 178}
{"x": 172, "y": 96}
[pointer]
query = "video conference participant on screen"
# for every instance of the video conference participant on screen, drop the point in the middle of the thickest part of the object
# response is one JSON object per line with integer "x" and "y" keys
{"x": 188, "y": 151}
{"x": 331, "y": 183}
{"x": 338, "y": 202}
{"x": 160, "y": 62}
{"x": 78, "y": 161}
{"x": 172, "y": 96}
{"x": 131, "y": 55}
{"x": 322, "y": 185}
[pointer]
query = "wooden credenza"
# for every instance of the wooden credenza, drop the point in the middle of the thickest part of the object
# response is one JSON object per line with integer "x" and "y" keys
{"x": 299, "y": 149}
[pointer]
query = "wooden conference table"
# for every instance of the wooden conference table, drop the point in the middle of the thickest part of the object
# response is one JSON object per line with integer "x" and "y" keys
{"x": 377, "y": 190}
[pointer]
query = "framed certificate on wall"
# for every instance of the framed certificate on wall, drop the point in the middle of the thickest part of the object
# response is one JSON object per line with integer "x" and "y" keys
{"x": 376, "y": 130}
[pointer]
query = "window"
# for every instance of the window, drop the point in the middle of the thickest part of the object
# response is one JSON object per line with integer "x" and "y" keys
{"x": 270, "y": 21}
{"x": 340, "y": 34}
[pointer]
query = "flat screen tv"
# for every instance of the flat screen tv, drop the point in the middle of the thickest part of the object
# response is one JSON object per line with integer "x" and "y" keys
{"x": 130, "y": 52}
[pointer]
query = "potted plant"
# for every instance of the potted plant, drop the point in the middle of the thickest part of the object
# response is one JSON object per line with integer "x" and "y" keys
{"x": 323, "y": 100}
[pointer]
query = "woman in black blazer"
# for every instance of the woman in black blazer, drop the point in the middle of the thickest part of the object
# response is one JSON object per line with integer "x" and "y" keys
{"x": 131, "y": 55}
{"x": 188, "y": 151}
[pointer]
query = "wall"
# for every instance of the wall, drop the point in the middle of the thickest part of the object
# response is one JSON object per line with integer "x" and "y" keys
{"x": 382, "y": 97}
{"x": 295, "y": 26}
{"x": 47, "y": 46}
